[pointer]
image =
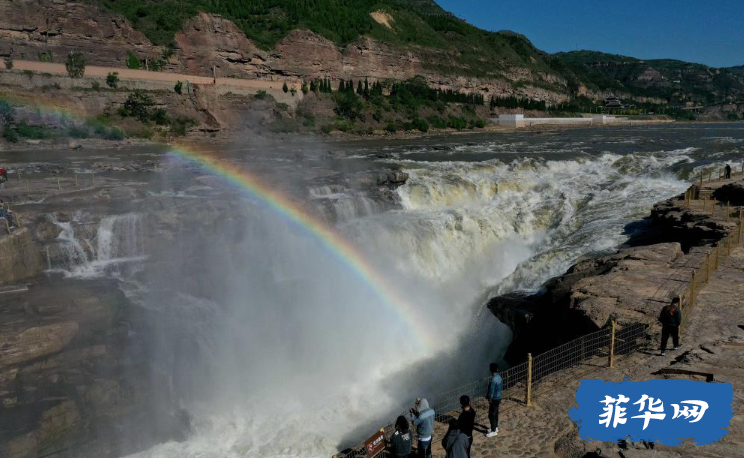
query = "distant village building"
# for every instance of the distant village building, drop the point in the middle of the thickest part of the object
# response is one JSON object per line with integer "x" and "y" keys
{"x": 612, "y": 102}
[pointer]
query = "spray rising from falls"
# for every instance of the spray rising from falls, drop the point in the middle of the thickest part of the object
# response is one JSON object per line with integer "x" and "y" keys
{"x": 291, "y": 333}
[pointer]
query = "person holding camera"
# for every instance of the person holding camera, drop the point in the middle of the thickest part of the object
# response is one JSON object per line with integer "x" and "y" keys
{"x": 423, "y": 421}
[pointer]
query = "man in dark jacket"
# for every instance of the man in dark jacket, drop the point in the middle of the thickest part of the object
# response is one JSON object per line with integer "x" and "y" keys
{"x": 494, "y": 400}
{"x": 670, "y": 319}
{"x": 455, "y": 443}
{"x": 400, "y": 443}
{"x": 466, "y": 420}
{"x": 728, "y": 172}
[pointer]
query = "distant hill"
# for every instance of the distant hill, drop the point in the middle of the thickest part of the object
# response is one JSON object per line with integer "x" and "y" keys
{"x": 472, "y": 52}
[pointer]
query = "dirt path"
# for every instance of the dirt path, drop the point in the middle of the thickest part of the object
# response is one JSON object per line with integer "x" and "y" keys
{"x": 93, "y": 71}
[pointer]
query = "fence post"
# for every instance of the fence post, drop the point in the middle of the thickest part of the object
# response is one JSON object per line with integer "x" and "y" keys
{"x": 76, "y": 180}
{"x": 528, "y": 394}
{"x": 27, "y": 186}
{"x": 612, "y": 345}
{"x": 707, "y": 266}
{"x": 692, "y": 289}
{"x": 701, "y": 174}
{"x": 7, "y": 225}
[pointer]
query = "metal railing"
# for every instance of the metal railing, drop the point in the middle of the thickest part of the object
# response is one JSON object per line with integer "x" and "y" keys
{"x": 520, "y": 382}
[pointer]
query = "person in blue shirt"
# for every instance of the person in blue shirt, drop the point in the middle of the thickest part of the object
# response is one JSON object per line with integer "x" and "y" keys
{"x": 423, "y": 421}
{"x": 494, "y": 400}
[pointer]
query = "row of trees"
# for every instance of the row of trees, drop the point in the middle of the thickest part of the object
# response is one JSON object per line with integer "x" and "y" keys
{"x": 518, "y": 102}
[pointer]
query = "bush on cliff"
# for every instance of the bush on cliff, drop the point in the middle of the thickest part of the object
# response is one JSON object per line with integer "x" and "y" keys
{"x": 112, "y": 80}
{"x": 75, "y": 64}
{"x": 138, "y": 105}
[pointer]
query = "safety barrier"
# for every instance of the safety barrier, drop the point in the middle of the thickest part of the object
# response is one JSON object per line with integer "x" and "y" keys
{"x": 520, "y": 382}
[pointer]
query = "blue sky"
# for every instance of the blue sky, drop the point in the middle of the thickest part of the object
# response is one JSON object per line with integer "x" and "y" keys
{"x": 705, "y": 31}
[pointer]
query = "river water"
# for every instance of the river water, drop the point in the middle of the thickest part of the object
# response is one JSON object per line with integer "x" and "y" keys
{"x": 276, "y": 345}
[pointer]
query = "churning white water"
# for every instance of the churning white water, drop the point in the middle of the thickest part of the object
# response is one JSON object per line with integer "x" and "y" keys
{"x": 118, "y": 240}
{"x": 297, "y": 351}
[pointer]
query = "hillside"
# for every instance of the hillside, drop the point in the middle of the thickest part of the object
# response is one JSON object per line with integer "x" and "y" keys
{"x": 420, "y": 25}
{"x": 668, "y": 79}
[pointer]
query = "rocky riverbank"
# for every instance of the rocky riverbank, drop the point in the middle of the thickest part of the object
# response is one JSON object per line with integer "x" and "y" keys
{"x": 630, "y": 285}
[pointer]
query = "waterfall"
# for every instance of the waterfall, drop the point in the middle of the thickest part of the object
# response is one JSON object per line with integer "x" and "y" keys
{"x": 118, "y": 241}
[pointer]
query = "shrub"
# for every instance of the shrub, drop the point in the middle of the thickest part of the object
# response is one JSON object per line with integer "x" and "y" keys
{"x": 137, "y": 105}
{"x": 285, "y": 88}
{"x": 348, "y": 104}
{"x": 75, "y": 64}
{"x": 9, "y": 62}
{"x": 437, "y": 122}
{"x": 327, "y": 128}
{"x": 133, "y": 61}
{"x": 29, "y": 74}
{"x": 420, "y": 124}
{"x": 45, "y": 56}
{"x": 33, "y": 132}
{"x": 260, "y": 95}
{"x": 160, "y": 116}
{"x": 178, "y": 87}
{"x": 112, "y": 80}
{"x": 113, "y": 134}
{"x": 293, "y": 91}
{"x": 10, "y": 135}
{"x": 479, "y": 123}
{"x": 305, "y": 89}
{"x": 181, "y": 124}
{"x": 7, "y": 113}
{"x": 391, "y": 128}
{"x": 78, "y": 132}
{"x": 457, "y": 123}
{"x": 95, "y": 85}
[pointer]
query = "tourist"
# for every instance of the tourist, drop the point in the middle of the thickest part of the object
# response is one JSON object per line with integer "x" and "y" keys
{"x": 466, "y": 420}
{"x": 3, "y": 177}
{"x": 728, "y": 171}
{"x": 7, "y": 215}
{"x": 400, "y": 444}
{"x": 494, "y": 400}
{"x": 670, "y": 318}
{"x": 455, "y": 442}
{"x": 423, "y": 421}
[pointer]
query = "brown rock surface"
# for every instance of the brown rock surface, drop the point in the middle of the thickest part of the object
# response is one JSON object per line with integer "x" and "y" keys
{"x": 30, "y": 27}
{"x": 19, "y": 257}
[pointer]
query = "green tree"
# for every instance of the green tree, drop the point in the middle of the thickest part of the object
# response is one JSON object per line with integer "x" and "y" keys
{"x": 133, "y": 61}
{"x": 112, "y": 80}
{"x": 360, "y": 88}
{"x": 305, "y": 88}
{"x": 178, "y": 87}
{"x": 138, "y": 105}
{"x": 75, "y": 64}
{"x": 285, "y": 88}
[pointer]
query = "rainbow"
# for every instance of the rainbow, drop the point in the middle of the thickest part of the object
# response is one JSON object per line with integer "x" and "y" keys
{"x": 330, "y": 239}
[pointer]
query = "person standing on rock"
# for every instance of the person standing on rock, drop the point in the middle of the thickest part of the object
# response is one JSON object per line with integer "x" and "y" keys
{"x": 494, "y": 400}
{"x": 455, "y": 442}
{"x": 3, "y": 178}
{"x": 423, "y": 421}
{"x": 466, "y": 420}
{"x": 728, "y": 171}
{"x": 670, "y": 319}
{"x": 400, "y": 443}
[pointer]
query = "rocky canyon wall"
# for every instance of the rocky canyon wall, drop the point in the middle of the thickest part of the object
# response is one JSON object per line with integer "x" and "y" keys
{"x": 29, "y": 28}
